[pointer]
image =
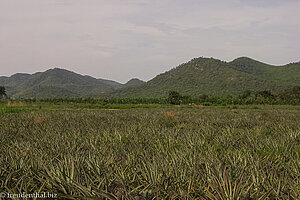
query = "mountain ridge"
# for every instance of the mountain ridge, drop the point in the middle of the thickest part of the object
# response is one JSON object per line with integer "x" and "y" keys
{"x": 198, "y": 76}
{"x": 202, "y": 76}
{"x": 73, "y": 84}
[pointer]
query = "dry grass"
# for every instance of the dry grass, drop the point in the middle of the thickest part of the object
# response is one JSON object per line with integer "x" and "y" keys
{"x": 197, "y": 106}
{"x": 39, "y": 120}
{"x": 15, "y": 104}
{"x": 234, "y": 111}
{"x": 170, "y": 115}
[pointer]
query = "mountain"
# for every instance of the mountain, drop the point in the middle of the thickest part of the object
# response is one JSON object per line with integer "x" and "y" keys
{"x": 111, "y": 83}
{"x": 133, "y": 82}
{"x": 287, "y": 73}
{"x": 218, "y": 78}
{"x": 11, "y": 83}
{"x": 197, "y": 77}
{"x": 14, "y": 79}
{"x": 55, "y": 83}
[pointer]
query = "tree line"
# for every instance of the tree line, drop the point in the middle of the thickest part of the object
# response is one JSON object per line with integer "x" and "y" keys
{"x": 290, "y": 96}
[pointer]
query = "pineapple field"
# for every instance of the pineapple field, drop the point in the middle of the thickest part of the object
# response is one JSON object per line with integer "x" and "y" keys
{"x": 171, "y": 152}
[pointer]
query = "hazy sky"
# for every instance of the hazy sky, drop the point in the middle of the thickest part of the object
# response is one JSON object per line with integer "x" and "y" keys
{"x": 122, "y": 39}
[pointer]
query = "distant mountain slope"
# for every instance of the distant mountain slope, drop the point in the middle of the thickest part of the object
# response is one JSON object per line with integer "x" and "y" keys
{"x": 14, "y": 79}
{"x": 133, "y": 82}
{"x": 47, "y": 91}
{"x": 203, "y": 76}
{"x": 111, "y": 83}
{"x": 196, "y": 77}
{"x": 11, "y": 83}
{"x": 55, "y": 83}
{"x": 287, "y": 73}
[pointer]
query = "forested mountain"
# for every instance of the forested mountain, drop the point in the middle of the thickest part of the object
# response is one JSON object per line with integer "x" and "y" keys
{"x": 197, "y": 77}
{"x": 286, "y": 74}
{"x": 133, "y": 82}
{"x": 55, "y": 83}
{"x": 218, "y": 78}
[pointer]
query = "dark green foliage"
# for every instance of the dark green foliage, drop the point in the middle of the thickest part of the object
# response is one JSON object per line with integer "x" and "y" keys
{"x": 246, "y": 94}
{"x": 291, "y": 94}
{"x": 2, "y": 92}
{"x": 266, "y": 94}
{"x": 206, "y": 104}
{"x": 203, "y": 96}
{"x": 282, "y": 99}
{"x": 174, "y": 98}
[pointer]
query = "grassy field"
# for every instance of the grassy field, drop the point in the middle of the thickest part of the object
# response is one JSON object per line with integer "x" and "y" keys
{"x": 151, "y": 151}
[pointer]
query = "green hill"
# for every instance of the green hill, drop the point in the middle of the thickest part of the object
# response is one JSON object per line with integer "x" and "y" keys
{"x": 212, "y": 77}
{"x": 133, "y": 82}
{"x": 14, "y": 80}
{"x": 197, "y": 77}
{"x": 11, "y": 83}
{"x": 285, "y": 74}
{"x": 55, "y": 83}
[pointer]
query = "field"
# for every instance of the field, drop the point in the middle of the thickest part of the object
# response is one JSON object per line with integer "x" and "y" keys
{"x": 151, "y": 151}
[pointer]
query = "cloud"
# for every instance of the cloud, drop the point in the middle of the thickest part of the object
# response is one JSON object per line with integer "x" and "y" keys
{"x": 119, "y": 39}
{"x": 267, "y": 3}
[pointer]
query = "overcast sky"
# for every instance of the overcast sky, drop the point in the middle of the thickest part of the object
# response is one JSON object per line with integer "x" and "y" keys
{"x": 122, "y": 39}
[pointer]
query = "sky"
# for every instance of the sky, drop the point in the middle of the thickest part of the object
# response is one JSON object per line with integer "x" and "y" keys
{"x": 124, "y": 39}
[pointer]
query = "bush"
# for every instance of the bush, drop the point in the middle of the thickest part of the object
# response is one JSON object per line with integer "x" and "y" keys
{"x": 174, "y": 98}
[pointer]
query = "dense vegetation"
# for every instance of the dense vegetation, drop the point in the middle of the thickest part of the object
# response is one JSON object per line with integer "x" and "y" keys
{"x": 288, "y": 97}
{"x": 169, "y": 153}
{"x": 217, "y": 78}
{"x": 61, "y": 83}
{"x": 2, "y": 91}
{"x": 288, "y": 73}
{"x": 133, "y": 82}
{"x": 200, "y": 76}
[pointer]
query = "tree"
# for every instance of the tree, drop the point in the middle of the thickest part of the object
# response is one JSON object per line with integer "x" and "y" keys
{"x": 246, "y": 94}
{"x": 291, "y": 94}
{"x": 266, "y": 94}
{"x": 174, "y": 98}
{"x": 295, "y": 92}
{"x": 2, "y": 91}
{"x": 203, "y": 96}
